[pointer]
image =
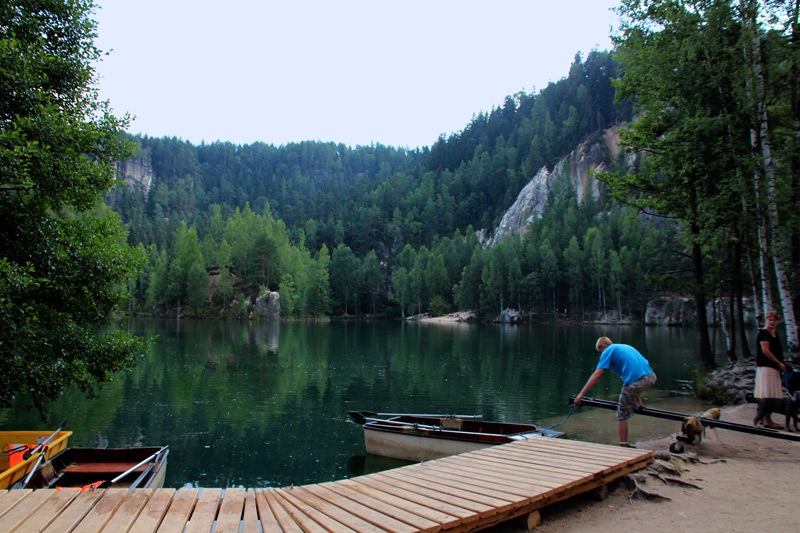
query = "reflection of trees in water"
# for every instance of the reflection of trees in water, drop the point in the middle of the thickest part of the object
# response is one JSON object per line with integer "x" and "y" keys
{"x": 238, "y": 407}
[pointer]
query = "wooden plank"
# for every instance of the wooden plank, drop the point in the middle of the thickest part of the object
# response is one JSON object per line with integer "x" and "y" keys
{"x": 512, "y": 482}
{"x": 154, "y": 511}
{"x": 442, "y": 506}
{"x": 519, "y": 468}
{"x": 269, "y": 523}
{"x": 378, "y": 494}
{"x": 379, "y": 520}
{"x": 588, "y": 447}
{"x": 310, "y": 499}
{"x": 479, "y": 484}
{"x": 48, "y": 511}
{"x": 401, "y": 513}
{"x": 458, "y": 487}
{"x": 285, "y": 520}
{"x": 230, "y": 511}
{"x": 12, "y": 498}
{"x": 589, "y": 450}
{"x": 179, "y": 511}
{"x": 576, "y": 456}
{"x": 250, "y": 519}
{"x": 205, "y": 511}
{"x": 77, "y": 509}
{"x": 128, "y": 512}
{"x": 308, "y": 518}
{"x": 24, "y": 508}
{"x": 99, "y": 515}
{"x": 570, "y": 461}
{"x": 451, "y": 497}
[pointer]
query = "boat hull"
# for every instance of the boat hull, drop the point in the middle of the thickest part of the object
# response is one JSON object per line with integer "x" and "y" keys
{"x": 12, "y": 466}
{"x": 82, "y": 467}
{"x": 417, "y": 439}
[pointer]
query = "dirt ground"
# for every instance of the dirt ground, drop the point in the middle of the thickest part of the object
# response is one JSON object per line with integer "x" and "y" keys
{"x": 745, "y": 483}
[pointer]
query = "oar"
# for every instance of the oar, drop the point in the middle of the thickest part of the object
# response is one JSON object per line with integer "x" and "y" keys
{"x": 107, "y": 483}
{"x": 147, "y": 470}
{"x": 27, "y": 455}
{"x": 359, "y": 418}
{"x": 40, "y": 449}
{"x": 463, "y": 417}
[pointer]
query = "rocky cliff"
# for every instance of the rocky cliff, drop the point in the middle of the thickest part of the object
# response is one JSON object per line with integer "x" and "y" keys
{"x": 531, "y": 201}
{"x": 137, "y": 172}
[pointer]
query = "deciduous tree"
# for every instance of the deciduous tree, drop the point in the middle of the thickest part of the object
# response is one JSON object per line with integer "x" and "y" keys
{"x": 64, "y": 267}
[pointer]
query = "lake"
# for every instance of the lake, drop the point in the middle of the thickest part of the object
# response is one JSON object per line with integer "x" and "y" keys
{"x": 264, "y": 404}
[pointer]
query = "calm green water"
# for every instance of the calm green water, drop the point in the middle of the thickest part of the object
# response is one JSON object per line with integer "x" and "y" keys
{"x": 265, "y": 404}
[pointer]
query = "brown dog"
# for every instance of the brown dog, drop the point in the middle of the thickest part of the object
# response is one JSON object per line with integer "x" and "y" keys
{"x": 693, "y": 429}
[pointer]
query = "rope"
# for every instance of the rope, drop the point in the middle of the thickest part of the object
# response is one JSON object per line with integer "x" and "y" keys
{"x": 571, "y": 409}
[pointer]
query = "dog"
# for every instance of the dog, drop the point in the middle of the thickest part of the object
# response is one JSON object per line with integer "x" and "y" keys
{"x": 791, "y": 380}
{"x": 788, "y": 407}
{"x": 693, "y": 428}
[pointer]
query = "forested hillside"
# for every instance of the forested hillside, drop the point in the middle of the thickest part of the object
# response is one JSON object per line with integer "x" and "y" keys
{"x": 394, "y": 229}
{"x": 704, "y": 202}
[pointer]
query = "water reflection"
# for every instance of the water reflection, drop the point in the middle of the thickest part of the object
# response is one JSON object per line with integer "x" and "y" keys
{"x": 265, "y": 404}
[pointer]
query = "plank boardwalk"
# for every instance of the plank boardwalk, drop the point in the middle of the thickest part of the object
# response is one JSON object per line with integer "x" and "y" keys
{"x": 467, "y": 492}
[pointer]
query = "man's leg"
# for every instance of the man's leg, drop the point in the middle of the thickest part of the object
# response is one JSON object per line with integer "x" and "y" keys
{"x": 622, "y": 429}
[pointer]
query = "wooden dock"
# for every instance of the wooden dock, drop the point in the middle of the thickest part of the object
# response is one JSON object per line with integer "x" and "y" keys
{"x": 467, "y": 492}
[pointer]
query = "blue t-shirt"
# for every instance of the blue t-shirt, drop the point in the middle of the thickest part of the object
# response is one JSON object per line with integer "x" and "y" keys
{"x": 626, "y": 361}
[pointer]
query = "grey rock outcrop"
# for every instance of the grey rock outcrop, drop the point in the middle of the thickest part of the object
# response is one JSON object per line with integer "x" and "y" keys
{"x": 136, "y": 172}
{"x": 269, "y": 305}
{"x": 531, "y": 201}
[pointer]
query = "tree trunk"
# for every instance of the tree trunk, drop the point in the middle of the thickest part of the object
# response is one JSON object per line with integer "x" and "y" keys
{"x": 739, "y": 289}
{"x": 704, "y": 340}
{"x": 776, "y": 245}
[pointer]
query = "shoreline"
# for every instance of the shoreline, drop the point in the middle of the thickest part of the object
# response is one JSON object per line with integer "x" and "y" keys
{"x": 734, "y": 481}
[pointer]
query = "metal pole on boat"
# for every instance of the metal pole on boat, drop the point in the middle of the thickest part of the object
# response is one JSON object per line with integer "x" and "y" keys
{"x": 462, "y": 417}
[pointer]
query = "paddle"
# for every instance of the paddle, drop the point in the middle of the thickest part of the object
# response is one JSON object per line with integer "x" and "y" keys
{"x": 40, "y": 450}
{"x": 359, "y": 418}
{"x": 463, "y": 417}
{"x": 147, "y": 470}
{"x": 107, "y": 483}
{"x": 44, "y": 443}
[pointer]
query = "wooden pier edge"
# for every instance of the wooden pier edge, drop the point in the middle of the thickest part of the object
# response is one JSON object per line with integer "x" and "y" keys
{"x": 464, "y": 493}
{"x": 531, "y": 514}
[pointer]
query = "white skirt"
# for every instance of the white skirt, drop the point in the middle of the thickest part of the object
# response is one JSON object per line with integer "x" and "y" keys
{"x": 768, "y": 383}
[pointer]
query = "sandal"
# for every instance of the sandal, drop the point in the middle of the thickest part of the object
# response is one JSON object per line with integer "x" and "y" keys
{"x": 626, "y": 445}
{"x": 772, "y": 425}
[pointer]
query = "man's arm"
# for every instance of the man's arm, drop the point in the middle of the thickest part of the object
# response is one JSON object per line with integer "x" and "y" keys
{"x": 593, "y": 379}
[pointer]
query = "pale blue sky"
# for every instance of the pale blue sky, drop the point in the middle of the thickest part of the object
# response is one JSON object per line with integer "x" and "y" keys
{"x": 355, "y": 72}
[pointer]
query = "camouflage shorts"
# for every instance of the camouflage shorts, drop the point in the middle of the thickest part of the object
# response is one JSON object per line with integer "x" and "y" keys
{"x": 629, "y": 396}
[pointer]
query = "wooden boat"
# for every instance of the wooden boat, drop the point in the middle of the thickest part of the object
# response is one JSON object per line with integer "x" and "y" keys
{"x": 414, "y": 437}
{"x": 20, "y": 452}
{"x": 89, "y": 468}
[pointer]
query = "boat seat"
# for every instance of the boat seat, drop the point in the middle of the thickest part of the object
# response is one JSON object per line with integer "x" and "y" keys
{"x": 95, "y": 468}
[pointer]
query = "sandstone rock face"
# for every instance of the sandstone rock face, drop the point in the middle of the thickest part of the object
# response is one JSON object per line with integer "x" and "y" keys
{"x": 269, "y": 305}
{"x": 136, "y": 172}
{"x": 531, "y": 201}
{"x": 671, "y": 311}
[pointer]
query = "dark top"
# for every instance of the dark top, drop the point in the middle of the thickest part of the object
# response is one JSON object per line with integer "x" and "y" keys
{"x": 774, "y": 346}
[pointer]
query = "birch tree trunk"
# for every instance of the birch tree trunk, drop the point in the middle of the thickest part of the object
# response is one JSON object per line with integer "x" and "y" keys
{"x": 769, "y": 230}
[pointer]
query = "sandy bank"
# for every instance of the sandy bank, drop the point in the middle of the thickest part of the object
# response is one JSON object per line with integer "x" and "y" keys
{"x": 746, "y": 483}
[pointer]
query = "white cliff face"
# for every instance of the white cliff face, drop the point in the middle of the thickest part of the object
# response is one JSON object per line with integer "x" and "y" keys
{"x": 136, "y": 172}
{"x": 532, "y": 198}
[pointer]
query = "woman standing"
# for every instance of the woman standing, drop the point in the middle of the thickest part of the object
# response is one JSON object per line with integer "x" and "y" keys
{"x": 769, "y": 365}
